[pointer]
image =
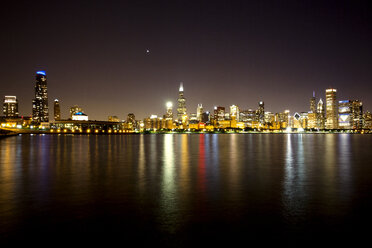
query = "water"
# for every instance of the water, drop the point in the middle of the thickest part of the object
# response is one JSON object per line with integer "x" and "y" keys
{"x": 183, "y": 189}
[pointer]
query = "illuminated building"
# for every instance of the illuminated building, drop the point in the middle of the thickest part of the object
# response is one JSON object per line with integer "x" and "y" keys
{"x": 234, "y": 112}
{"x": 75, "y": 109}
{"x": 320, "y": 115}
{"x": 219, "y": 113}
{"x": 113, "y": 118}
{"x": 205, "y": 117}
{"x": 131, "y": 121}
{"x": 331, "y": 109}
{"x": 199, "y": 112}
{"x": 85, "y": 126}
{"x": 313, "y": 103}
{"x": 345, "y": 115}
{"x": 247, "y": 115}
{"x": 79, "y": 116}
{"x": 40, "y": 110}
{"x": 269, "y": 117}
{"x": 181, "y": 110}
{"x": 10, "y": 106}
{"x": 168, "y": 118}
{"x": 261, "y": 112}
{"x": 283, "y": 119}
{"x": 367, "y": 117}
{"x": 312, "y": 120}
{"x": 193, "y": 117}
{"x": 57, "y": 110}
{"x": 169, "y": 114}
{"x": 357, "y": 114}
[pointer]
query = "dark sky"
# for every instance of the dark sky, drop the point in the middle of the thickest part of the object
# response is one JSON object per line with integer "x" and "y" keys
{"x": 225, "y": 52}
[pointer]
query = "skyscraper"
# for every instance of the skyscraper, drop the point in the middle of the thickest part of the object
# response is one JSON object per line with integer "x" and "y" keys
{"x": 57, "y": 110}
{"x": 199, "y": 112}
{"x": 313, "y": 103}
{"x": 40, "y": 110}
{"x": 234, "y": 112}
{"x": 261, "y": 112}
{"x": 181, "y": 110}
{"x": 345, "y": 116}
{"x": 331, "y": 109}
{"x": 357, "y": 114}
{"x": 10, "y": 107}
{"x": 320, "y": 115}
{"x": 169, "y": 114}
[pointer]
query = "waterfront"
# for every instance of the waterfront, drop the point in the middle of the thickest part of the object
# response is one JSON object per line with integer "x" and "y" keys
{"x": 176, "y": 189}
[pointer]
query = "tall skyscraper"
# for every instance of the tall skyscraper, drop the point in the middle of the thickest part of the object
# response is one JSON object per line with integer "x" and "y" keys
{"x": 181, "y": 110}
{"x": 345, "y": 116}
{"x": 234, "y": 112}
{"x": 357, "y": 114}
{"x": 10, "y": 107}
{"x": 57, "y": 110}
{"x": 199, "y": 112}
{"x": 169, "y": 114}
{"x": 313, "y": 103}
{"x": 331, "y": 109}
{"x": 40, "y": 109}
{"x": 261, "y": 112}
{"x": 320, "y": 115}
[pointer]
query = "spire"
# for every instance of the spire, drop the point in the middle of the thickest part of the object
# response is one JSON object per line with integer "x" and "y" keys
{"x": 314, "y": 93}
{"x": 181, "y": 87}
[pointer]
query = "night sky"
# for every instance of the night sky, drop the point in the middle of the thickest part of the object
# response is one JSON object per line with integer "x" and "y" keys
{"x": 225, "y": 52}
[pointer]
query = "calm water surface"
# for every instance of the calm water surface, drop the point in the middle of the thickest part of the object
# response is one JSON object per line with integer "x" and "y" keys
{"x": 179, "y": 189}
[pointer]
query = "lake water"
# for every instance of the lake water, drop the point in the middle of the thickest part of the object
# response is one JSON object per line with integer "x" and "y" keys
{"x": 182, "y": 189}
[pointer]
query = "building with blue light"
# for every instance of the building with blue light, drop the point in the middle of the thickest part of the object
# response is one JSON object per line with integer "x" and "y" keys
{"x": 40, "y": 109}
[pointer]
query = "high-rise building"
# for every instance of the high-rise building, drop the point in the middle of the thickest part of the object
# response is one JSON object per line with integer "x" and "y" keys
{"x": 75, "y": 109}
{"x": 169, "y": 114}
{"x": 40, "y": 109}
{"x": 199, "y": 112}
{"x": 234, "y": 112}
{"x": 205, "y": 117}
{"x": 10, "y": 107}
{"x": 131, "y": 121}
{"x": 320, "y": 115}
{"x": 261, "y": 112}
{"x": 331, "y": 109}
{"x": 313, "y": 103}
{"x": 181, "y": 110}
{"x": 57, "y": 110}
{"x": 219, "y": 113}
{"x": 345, "y": 115}
{"x": 357, "y": 114}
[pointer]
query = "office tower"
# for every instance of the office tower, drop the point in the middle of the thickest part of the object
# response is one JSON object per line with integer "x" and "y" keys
{"x": 234, "y": 112}
{"x": 75, "y": 109}
{"x": 367, "y": 120}
{"x": 345, "y": 115}
{"x": 205, "y": 117}
{"x": 169, "y": 114}
{"x": 10, "y": 107}
{"x": 261, "y": 112}
{"x": 131, "y": 121}
{"x": 320, "y": 115}
{"x": 313, "y": 103}
{"x": 40, "y": 110}
{"x": 57, "y": 110}
{"x": 219, "y": 113}
{"x": 199, "y": 112}
{"x": 331, "y": 109}
{"x": 357, "y": 114}
{"x": 181, "y": 110}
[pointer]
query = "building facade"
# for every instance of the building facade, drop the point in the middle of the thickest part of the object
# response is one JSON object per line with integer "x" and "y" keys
{"x": 10, "y": 106}
{"x": 40, "y": 109}
{"x": 331, "y": 109}
{"x": 181, "y": 109}
{"x": 57, "y": 110}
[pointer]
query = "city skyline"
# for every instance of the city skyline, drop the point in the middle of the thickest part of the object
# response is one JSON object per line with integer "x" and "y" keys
{"x": 120, "y": 58}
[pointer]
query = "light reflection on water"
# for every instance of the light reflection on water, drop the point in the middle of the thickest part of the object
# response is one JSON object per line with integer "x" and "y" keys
{"x": 186, "y": 183}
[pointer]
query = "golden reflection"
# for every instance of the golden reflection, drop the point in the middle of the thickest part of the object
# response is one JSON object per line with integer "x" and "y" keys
{"x": 7, "y": 175}
{"x": 141, "y": 164}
